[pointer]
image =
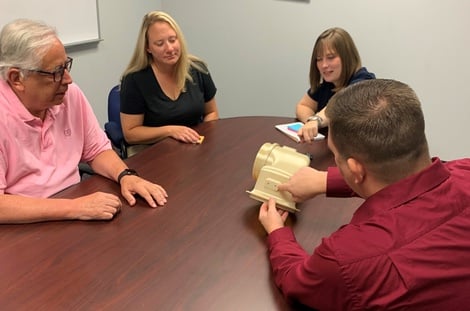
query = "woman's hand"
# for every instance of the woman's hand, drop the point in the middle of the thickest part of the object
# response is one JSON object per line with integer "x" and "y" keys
{"x": 184, "y": 134}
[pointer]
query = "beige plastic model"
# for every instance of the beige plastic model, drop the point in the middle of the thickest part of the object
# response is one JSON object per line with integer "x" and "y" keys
{"x": 275, "y": 164}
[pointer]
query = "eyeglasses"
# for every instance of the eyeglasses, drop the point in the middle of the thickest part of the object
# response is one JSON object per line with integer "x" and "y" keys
{"x": 57, "y": 74}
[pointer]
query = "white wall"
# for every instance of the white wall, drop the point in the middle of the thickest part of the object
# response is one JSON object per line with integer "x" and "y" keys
{"x": 77, "y": 24}
{"x": 97, "y": 67}
{"x": 259, "y": 53}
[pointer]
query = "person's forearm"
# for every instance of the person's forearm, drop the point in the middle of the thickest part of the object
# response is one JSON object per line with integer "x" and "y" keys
{"x": 211, "y": 116}
{"x": 322, "y": 115}
{"x": 108, "y": 164}
{"x": 146, "y": 134}
{"x": 19, "y": 209}
{"x": 211, "y": 112}
{"x": 305, "y": 108}
{"x": 303, "y": 113}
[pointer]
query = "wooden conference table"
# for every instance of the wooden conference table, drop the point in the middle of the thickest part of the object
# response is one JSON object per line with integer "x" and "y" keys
{"x": 204, "y": 250}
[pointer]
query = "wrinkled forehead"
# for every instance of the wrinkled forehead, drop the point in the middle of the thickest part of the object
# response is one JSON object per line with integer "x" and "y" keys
{"x": 53, "y": 56}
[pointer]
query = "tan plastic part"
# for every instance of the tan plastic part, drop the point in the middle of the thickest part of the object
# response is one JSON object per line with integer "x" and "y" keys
{"x": 273, "y": 165}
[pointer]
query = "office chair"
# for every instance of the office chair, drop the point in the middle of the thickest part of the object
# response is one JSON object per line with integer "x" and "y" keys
{"x": 113, "y": 126}
{"x": 85, "y": 170}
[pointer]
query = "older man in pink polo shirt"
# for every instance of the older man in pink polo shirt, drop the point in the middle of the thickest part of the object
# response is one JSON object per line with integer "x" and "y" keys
{"x": 46, "y": 128}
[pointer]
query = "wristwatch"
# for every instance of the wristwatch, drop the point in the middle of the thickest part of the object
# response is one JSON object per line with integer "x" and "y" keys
{"x": 315, "y": 118}
{"x": 127, "y": 171}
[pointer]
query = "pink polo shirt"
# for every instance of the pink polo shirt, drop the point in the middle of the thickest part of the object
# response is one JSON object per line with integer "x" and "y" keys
{"x": 39, "y": 158}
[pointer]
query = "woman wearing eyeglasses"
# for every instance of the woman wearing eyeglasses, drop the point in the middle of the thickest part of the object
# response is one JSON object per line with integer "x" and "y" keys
{"x": 164, "y": 90}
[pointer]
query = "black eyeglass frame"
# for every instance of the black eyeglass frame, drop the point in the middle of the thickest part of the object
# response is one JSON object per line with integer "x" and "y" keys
{"x": 57, "y": 74}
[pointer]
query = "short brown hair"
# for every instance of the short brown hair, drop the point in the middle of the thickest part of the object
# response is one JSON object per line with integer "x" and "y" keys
{"x": 381, "y": 123}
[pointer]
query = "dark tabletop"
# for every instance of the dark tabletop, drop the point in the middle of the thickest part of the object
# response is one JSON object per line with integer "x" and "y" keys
{"x": 204, "y": 250}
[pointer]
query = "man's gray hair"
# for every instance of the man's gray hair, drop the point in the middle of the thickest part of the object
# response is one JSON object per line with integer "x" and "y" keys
{"x": 23, "y": 44}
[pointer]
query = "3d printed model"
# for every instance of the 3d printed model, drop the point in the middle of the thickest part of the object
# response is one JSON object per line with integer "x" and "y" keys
{"x": 275, "y": 164}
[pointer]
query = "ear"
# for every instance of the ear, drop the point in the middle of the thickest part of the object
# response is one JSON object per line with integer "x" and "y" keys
{"x": 357, "y": 170}
{"x": 15, "y": 78}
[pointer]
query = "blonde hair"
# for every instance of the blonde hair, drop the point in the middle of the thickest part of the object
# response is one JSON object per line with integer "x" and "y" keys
{"x": 142, "y": 59}
{"x": 340, "y": 42}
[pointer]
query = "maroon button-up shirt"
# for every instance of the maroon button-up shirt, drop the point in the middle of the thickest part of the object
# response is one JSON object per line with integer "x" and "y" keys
{"x": 407, "y": 247}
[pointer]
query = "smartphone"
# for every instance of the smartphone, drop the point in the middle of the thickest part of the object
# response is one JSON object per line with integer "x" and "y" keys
{"x": 295, "y": 127}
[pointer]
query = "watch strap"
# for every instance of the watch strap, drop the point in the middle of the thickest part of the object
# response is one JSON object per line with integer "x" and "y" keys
{"x": 127, "y": 171}
{"x": 315, "y": 118}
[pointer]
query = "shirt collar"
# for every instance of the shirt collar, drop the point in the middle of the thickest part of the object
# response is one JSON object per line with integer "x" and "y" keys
{"x": 402, "y": 191}
{"x": 16, "y": 107}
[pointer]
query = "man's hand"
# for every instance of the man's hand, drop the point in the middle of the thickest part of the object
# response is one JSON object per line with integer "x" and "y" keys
{"x": 131, "y": 185}
{"x": 97, "y": 206}
{"x": 305, "y": 184}
{"x": 271, "y": 217}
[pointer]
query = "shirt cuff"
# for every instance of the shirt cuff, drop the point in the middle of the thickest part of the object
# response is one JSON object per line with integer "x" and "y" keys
{"x": 281, "y": 234}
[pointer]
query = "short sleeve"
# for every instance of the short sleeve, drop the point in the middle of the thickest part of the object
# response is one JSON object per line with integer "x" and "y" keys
{"x": 205, "y": 82}
{"x": 132, "y": 100}
{"x": 322, "y": 95}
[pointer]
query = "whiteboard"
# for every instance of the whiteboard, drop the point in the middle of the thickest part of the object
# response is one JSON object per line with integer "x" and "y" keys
{"x": 76, "y": 21}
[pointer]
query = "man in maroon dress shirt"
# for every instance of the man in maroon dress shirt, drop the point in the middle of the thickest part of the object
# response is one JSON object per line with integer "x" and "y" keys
{"x": 408, "y": 245}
